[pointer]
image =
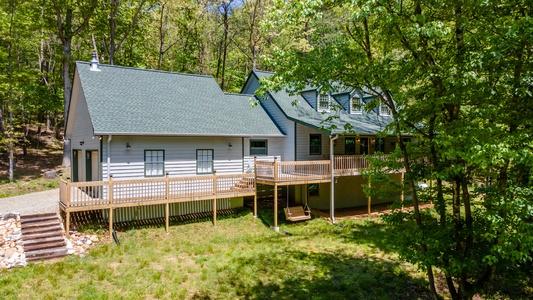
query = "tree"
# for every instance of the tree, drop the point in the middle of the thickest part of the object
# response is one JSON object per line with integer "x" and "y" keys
{"x": 72, "y": 18}
{"x": 455, "y": 75}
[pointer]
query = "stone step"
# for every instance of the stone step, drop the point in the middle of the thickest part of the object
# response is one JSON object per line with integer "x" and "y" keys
{"x": 37, "y": 217}
{"x": 42, "y": 229}
{"x": 44, "y": 254}
{"x": 44, "y": 245}
{"x": 42, "y": 240}
{"x": 34, "y": 236}
{"x": 40, "y": 224}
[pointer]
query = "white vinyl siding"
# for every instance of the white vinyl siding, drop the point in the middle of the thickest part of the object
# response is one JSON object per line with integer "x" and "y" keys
{"x": 180, "y": 155}
{"x": 302, "y": 144}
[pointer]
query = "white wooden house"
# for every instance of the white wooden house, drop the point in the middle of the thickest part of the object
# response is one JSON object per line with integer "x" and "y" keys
{"x": 137, "y": 124}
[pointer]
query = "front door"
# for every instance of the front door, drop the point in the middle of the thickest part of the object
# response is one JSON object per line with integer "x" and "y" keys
{"x": 363, "y": 147}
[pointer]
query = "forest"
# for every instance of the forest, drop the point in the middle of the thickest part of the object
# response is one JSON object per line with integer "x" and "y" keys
{"x": 456, "y": 75}
{"x": 40, "y": 40}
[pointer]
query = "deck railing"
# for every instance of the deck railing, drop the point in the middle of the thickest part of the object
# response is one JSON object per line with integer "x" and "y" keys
{"x": 116, "y": 193}
{"x": 306, "y": 170}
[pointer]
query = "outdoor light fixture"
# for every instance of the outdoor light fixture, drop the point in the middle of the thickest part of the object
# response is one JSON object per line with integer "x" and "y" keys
{"x": 230, "y": 145}
{"x": 128, "y": 146}
{"x": 81, "y": 143}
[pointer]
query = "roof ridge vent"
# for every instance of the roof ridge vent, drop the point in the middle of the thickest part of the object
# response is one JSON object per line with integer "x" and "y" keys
{"x": 94, "y": 63}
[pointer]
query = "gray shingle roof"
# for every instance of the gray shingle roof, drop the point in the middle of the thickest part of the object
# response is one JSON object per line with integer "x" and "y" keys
{"x": 132, "y": 101}
{"x": 365, "y": 123}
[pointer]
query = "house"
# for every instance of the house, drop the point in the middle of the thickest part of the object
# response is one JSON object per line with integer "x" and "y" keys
{"x": 136, "y": 124}
{"x": 147, "y": 144}
{"x": 311, "y": 133}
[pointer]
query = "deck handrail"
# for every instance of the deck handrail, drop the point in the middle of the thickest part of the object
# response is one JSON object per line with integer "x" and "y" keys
{"x": 167, "y": 189}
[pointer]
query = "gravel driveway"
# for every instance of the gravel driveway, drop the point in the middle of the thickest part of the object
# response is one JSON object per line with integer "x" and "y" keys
{"x": 34, "y": 203}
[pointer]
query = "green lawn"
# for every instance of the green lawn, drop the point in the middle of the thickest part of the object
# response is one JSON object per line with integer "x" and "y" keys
{"x": 240, "y": 258}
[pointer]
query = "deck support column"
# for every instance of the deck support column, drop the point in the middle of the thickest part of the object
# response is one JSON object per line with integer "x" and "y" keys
{"x": 111, "y": 206}
{"x": 215, "y": 199}
{"x": 255, "y": 187}
{"x": 167, "y": 191}
{"x": 332, "y": 169}
{"x": 276, "y": 227}
{"x": 67, "y": 202}
{"x": 68, "y": 223}
{"x": 402, "y": 196}
{"x": 369, "y": 198}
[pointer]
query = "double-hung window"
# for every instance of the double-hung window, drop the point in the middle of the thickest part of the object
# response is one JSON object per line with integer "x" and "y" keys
{"x": 154, "y": 163}
{"x": 258, "y": 147}
{"x": 356, "y": 105}
{"x": 204, "y": 161}
{"x": 384, "y": 110}
{"x": 323, "y": 102}
{"x": 315, "y": 144}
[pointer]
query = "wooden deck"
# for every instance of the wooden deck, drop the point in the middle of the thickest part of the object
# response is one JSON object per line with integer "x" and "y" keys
{"x": 93, "y": 195}
{"x": 84, "y": 196}
{"x": 308, "y": 172}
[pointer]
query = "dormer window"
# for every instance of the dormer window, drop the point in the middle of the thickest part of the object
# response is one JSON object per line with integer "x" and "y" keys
{"x": 384, "y": 110}
{"x": 323, "y": 102}
{"x": 356, "y": 106}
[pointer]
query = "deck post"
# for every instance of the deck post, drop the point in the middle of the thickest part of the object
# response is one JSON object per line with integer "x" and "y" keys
{"x": 215, "y": 198}
{"x": 255, "y": 186}
{"x": 167, "y": 190}
{"x": 276, "y": 227}
{"x": 402, "y": 196}
{"x": 111, "y": 206}
{"x": 332, "y": 170}
{"x": 275, "y": 168}
{"x": 369, "y": 198}
{"x": 67, "y": 209}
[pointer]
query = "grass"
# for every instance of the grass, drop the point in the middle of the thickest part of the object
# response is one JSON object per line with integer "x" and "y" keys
{"x": 238, "y": 259}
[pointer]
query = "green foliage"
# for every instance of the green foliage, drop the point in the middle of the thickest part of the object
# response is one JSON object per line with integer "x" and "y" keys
{"x": 456, "y": 76}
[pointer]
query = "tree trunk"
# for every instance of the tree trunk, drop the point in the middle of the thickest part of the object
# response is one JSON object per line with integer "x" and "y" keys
{"x": 67, "y": 91}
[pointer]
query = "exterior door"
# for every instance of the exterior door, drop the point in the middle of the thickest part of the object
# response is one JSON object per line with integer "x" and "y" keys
{"x": 349, "y": 146}
{"x": 88, "y": 166}
{"x": 363, "y": 147}
{"x": 75, "y": 166}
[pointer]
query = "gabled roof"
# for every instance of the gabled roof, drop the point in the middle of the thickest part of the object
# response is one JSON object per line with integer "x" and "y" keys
{"x": 366, "y": 123}
{"x": 129, "y": 101}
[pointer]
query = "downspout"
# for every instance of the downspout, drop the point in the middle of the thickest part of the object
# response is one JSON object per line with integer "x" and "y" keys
{"x": 109, "y": 138}
{"x": 332, "y": 194}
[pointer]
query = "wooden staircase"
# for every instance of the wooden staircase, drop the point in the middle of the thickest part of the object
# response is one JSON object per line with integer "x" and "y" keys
{"x": 244, "y": 184}
{"x": 42, "y": 236}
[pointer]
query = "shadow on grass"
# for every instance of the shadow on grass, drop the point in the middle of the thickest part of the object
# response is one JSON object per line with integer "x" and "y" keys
{"x": 95, "y": 220}
{"x": 301, "y": 275}
{"x": 360, "y": 231}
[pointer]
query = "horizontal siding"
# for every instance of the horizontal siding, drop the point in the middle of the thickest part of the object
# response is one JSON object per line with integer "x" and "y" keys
{"x": 302, "y": 144}
{"x": 180, "y": 155}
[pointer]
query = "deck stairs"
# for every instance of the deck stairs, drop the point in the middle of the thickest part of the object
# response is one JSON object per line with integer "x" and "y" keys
{"x": 42, "y": 236}
{"x": 244, "y": 184}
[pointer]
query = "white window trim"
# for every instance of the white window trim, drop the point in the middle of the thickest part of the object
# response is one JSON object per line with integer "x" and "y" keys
{"x": 360, "y": 101}
{"x": 266, "y": 147}
{"x": 319, "y": 107}
{"x": 381, "y": 113}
